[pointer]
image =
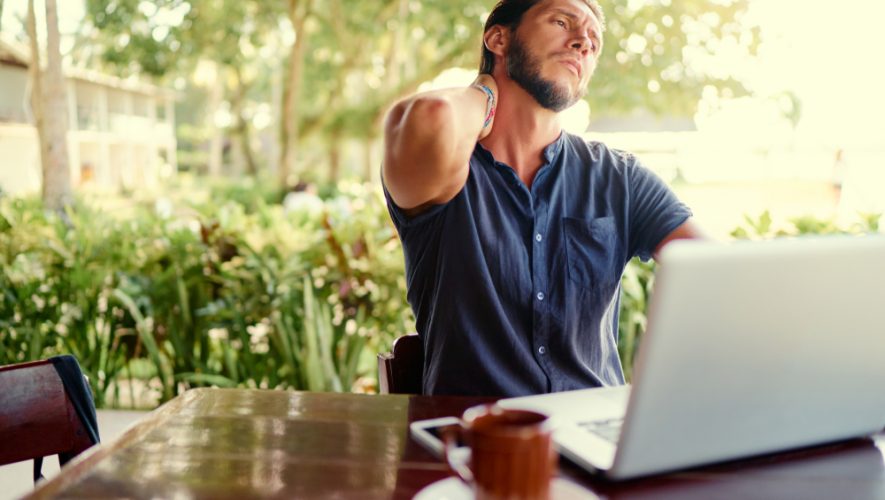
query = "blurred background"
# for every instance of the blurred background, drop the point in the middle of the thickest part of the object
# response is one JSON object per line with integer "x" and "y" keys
{"x": 744, "y": 105}
{"x": 190, "y": 188}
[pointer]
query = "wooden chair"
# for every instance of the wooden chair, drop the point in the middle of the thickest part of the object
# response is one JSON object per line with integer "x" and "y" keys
{"x": 37, "y": 417}
{"x": 401, "y": 371}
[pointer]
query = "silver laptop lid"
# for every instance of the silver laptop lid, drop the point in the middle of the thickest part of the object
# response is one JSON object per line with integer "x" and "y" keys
{"x": 757, "y": 347}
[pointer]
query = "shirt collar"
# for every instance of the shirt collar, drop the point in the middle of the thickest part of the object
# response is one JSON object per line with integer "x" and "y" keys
{"x": 550, "y": 152}
{"x": 553, "y": 149}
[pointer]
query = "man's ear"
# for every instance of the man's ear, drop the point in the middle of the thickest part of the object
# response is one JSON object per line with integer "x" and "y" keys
{"x": 497, "y": 39}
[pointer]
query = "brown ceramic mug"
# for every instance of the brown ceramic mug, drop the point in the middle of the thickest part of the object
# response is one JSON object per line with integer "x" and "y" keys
{"x": 511, "y": 453}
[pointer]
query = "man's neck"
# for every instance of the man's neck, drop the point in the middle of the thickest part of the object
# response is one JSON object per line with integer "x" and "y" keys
{"x": 522, "y": 130}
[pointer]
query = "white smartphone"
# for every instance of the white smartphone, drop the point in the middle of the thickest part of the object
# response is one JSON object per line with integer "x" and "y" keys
{"x": 429, "y": 434}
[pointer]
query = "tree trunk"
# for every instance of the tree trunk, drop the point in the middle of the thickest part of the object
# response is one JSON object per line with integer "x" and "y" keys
{"x": 36, "y": 85}
{"x": 241, "y": 127}
{"x": 56, "y": 173}
{"x": 276, "y": 99}
{"x": 334, "y": 155}
{"x": 216, "y": 138}
{"x": 394, "y": 54}
{"x": 289, "y": 123}
{"x": 36, "y": 82}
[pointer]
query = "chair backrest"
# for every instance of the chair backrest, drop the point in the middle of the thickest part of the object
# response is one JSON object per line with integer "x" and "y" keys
{"x": 401, "y": 371}
{"x": 37, "y": 418}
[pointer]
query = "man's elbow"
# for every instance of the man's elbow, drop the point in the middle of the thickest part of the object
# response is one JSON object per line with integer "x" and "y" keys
{"x": 416, "y": 133}
{"x": 423, "y": 118}
{"x": 688, "y": 230}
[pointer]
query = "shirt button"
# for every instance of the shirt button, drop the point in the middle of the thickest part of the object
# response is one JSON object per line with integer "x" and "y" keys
{"x": 538, "y": 237}
{"x": 542, "y": 350}
{"x": 540, "y": 295}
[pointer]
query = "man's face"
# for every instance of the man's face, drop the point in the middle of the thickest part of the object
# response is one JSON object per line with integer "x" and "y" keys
{"x": 553, "y": 52}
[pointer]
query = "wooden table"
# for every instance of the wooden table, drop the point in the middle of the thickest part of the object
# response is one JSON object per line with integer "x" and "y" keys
{"x": 236, "y": 443}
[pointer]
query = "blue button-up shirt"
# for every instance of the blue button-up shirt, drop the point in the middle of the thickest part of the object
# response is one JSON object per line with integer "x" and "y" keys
{"x": 516, "y": 290}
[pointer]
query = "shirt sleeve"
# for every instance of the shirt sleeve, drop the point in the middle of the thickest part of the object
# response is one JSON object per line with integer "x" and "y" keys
{"x": 401, "y": 220}
{"x": 654, "y": 210}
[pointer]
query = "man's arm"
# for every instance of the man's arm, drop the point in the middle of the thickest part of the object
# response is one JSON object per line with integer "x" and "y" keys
{"x": 428, "y": 140}
{"x": 688, "y": 230}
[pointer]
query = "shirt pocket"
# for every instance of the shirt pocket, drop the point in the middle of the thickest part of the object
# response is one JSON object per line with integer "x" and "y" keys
{"x": 594, "y": 252}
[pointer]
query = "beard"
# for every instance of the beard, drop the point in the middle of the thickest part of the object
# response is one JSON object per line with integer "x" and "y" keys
{"x": 525, "y": 69}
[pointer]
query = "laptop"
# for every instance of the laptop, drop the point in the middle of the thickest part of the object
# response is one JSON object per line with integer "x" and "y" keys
{"x": 751, "y": 348}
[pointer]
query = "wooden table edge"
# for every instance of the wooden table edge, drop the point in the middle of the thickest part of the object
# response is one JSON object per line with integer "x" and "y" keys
{"x": 85, "y": 462}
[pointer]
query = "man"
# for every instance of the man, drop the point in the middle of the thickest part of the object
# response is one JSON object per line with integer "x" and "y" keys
{"x": 516, "y": 233}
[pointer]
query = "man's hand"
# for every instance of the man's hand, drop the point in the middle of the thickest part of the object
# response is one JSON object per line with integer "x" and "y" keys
{"x": 487, "y": 80}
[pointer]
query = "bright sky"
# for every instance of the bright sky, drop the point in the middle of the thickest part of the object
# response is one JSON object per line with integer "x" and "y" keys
{"x": 829, "y": 54}
{"x": 70, "y": 12}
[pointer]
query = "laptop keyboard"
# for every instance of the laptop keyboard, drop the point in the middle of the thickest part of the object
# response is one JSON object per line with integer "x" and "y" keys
{"x": 610, "y": 429}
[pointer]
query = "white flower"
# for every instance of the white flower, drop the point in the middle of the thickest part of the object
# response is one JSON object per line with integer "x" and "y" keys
{"x": 25, "y": 270}
{"x": 257, "y": 332}
{"x": 304, "y": 202}
{"x": 218, "y": 333}
{"x": 163, "y": 208}
{"x": 350, "y": 327}
{"x": 258, "y": 337}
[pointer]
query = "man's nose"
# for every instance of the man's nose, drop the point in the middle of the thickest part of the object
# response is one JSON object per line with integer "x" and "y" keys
{"x": 581, "y": 43}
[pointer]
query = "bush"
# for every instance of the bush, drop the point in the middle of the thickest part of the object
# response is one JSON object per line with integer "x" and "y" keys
{"x": 762, "y": 227}
{"x": 211, "y": 295}
{"x": 636, "y": 286}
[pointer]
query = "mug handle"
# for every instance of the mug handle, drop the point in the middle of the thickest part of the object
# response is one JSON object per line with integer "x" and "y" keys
{"x": 449, "y": 435}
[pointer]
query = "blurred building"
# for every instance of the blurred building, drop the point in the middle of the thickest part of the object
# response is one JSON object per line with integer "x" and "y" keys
{"x": 121, "y": 133}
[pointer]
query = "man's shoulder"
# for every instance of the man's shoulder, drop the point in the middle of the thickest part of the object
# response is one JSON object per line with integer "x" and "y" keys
{"x": 599, "y": 153}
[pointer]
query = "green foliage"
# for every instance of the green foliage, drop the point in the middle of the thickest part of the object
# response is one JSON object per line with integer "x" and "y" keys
{"x": 636, "y": 286}
{"x": 159, "y": 37}
{"x": 212, "y": 295}
{"x": 190, "y": 154}
{"x": 362, "y": 56}
{"x": 389, "y": 48}
{"x": 762, "y": 228}
{"x": 253, "y": 194}
{"x": 654, "y": 52}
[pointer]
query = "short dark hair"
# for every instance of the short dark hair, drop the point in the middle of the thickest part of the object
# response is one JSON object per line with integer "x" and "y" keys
{"x": 508, "y": 13}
